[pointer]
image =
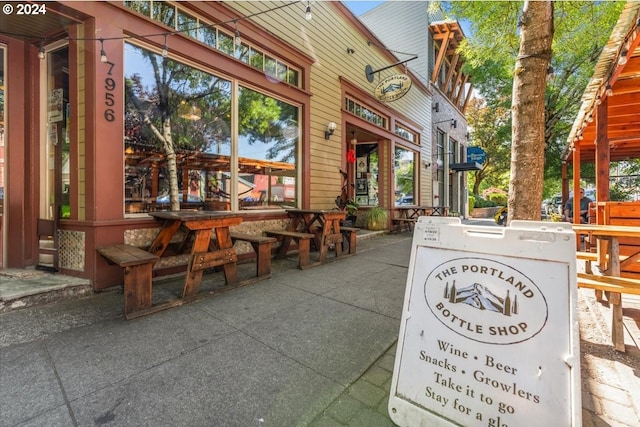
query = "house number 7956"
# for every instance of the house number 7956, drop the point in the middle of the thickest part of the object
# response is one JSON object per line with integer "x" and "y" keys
{"x": 109, "y": 99}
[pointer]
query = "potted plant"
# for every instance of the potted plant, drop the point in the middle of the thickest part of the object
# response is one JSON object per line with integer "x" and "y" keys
{"x": 377, "y": 219}
{"x": 351, "y": 206}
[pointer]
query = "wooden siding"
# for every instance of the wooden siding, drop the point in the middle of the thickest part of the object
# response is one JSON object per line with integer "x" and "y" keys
{"x": 81, "y": 130}
{"x": 326, "y": 39}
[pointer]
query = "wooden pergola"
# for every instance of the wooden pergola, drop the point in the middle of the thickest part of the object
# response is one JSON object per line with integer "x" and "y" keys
{"x": 607, "y": 127}
{"x": 447, "y": 35}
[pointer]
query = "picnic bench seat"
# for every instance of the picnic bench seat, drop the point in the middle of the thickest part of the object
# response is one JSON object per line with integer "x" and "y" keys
{"x": 613, "y": 287}
{"x": 623, "y": 285}
{"x": 262, "y": 247}
{"x": 303, "y": 241}
{"x": 138, "y": 265}
{"x": 399, "y": 224}
{"x": 350, "y": 238}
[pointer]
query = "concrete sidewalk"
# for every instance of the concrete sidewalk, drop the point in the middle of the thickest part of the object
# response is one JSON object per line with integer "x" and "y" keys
{"x": 313, "y": 347}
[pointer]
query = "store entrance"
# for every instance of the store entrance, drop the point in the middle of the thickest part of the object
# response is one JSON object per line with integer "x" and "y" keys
{"x": 3, "y": 164}
{"x": 364, "y": 150}
{"x": 54, "y": 155}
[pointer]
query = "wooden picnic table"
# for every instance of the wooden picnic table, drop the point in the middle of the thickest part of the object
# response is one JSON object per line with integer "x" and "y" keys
{"x": 610, "y": 264}
{"x": 408, "y": 215}
{"x": 413, "y": 212}
{"x": 323, "y": 224}
{"x": 203, "y": 253}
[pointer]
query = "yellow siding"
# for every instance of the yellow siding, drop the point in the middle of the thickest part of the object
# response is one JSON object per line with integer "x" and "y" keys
{"x": 81, "y": 130}
{"x": 326, "y": 39}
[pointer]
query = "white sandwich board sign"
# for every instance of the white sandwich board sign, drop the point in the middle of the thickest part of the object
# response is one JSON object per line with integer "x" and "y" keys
{"x": 489, "y": 333}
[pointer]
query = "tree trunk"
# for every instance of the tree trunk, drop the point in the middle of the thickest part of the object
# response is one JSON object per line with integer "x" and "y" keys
{"x": 528, "y": 121}
{"x": 174, "y": 195}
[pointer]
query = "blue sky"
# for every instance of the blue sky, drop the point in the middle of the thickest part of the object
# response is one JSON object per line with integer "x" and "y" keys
{"x": 360, "y": 7}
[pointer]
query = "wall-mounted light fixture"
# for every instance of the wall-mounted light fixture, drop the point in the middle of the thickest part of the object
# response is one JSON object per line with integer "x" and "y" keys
{"x": 354, "y": 140}
{"x": 331, "y": 127}
{"x": 436, "y": 107}
{"x": 427, "y": 164}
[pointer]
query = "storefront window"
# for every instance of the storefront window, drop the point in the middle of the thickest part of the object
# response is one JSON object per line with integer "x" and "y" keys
{"x": 404, "y": 176}
{"x": 267, "y": 149}
{"x": 196, "y": 106}
{"x": 198, "y": 110}
{"x": 2, "y": 121}
{"x": 207, "y": 32}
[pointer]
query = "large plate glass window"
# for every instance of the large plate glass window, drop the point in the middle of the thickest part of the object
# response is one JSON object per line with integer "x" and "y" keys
{"x": 171, "y": 107}
{"x": 404, "y": 176}
{"x": 195, "y": 109}
{"x": 267, "y": 147}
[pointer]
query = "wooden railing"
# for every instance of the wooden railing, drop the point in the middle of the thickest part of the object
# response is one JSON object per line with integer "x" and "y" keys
{"x": 626, "y": 214}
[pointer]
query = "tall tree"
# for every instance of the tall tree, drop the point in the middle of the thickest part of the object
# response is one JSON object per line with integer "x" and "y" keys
{"x": 492, "y": 46}
{"x": 491, "y": 132}
{"x": 528, "y": 110}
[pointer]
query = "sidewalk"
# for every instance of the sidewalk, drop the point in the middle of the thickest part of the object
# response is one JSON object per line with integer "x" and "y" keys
{"x": 305, "y": 348}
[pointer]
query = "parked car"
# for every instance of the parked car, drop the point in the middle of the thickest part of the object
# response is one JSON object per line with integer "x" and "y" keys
{"x": 590, "y": 193}
{"x": 190, "y": 198}
{"x": 406, "y": 200}
{"x": 544, "y": 211}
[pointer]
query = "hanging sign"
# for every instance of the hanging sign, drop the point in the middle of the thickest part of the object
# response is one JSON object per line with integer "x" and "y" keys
{"x": 488, "y": 335}
{"x": 476, "y": 154}
{"x": 392, "y": 88}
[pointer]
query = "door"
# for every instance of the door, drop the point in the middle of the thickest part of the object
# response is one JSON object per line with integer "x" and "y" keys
{"x": 54, "y": 154}
{"x": 3, "y": 166}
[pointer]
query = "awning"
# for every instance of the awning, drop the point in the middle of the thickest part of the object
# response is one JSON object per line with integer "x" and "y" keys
{"x": 467, "y": 166}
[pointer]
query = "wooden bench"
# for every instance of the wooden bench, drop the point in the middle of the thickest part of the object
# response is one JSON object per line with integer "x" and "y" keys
{"x": 262, "y": 247}
{"x": 303, "y": 241}
{"x": 626, "y": 214}
{"x": 613, "y": 287}
{"x": 350, "y": 238}
{"x": 623, "y": 285}
{"x": 138, "y": 265}
{"x": 400, "y": 223}
{"x": 590, "y": 257}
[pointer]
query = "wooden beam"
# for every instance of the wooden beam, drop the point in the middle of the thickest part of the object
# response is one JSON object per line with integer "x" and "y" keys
{"x": 603, "y": 158}
{"x": 452, "y": 70}
{"x": 440, "y": 59}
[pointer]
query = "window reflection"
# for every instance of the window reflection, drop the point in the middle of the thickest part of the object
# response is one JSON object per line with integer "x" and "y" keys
{"x": 267, "y": 146}
{"x": 198, "y": 105}
{"x": 404, "y": 176}
{"x": 198, "y": 110}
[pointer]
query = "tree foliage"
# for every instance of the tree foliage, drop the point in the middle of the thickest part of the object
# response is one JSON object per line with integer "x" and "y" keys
{"x": 490, "y": 51}
{"x": 174, "y": 106}
{"x": 491, "y": 132}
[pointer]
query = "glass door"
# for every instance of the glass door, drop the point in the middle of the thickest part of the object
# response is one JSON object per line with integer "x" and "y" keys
{"x": 3, "y": 118}
{"x": 54, "y": 154}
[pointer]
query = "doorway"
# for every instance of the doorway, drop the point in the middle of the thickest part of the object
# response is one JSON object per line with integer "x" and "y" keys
{"x": 3, "y": 166}
{"x": 54, "y": 154}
